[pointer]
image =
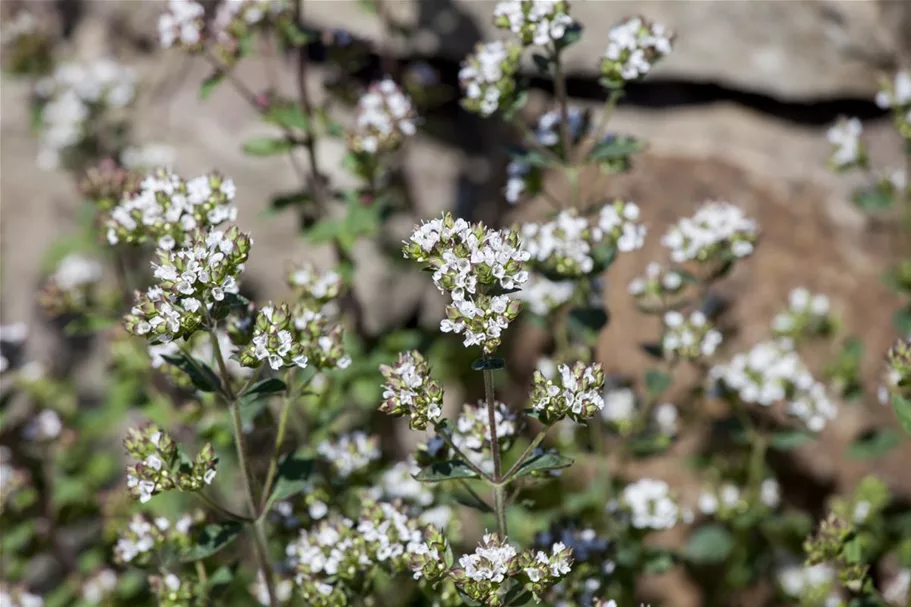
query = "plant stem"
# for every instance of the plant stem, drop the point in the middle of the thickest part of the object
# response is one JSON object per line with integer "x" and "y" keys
{"x": 279, "y": 439}
{"x": 528, "y": 450}
{"x": 499, "y": 498}
{"x": 606, "y": 112}
{"x": 259, "y": 539}
{"x": 760, "y": 445}
{"x": 563, "y": 101}
{"x": 448, "y": 440}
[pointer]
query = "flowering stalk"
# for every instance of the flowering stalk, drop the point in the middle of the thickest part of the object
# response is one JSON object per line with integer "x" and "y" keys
{"x": 259, "y": 539}
{"x": 499, "y": 488}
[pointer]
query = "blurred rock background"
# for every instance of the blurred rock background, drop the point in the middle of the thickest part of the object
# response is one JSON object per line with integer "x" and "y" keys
{"x": 738, "y": 112}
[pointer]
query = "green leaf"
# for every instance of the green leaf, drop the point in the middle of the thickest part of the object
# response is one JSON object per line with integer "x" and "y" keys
{"x": 853, "y": 551}
{"x": 211, "y": 539}
{"x": 656, "y": 382}
{"x": 283, "y": 201}
{"x": 472, "y": 501}
{"x": 614, "y": 148}
{"x": 572, "y": 35}
{"x": 445, "y": 471}
{"x": 902, "y": 408}
{"x": 221, "y": 578}
{"x": 873, "y": 199}
{"x": 532, "y": 158}
{"x": 788, "y": 440}
{"x": 874, "y": 444}
{"x": 288, "y": 115}
{"x": 292, "y": 477}
{"x": 543, "y": 463}
{"x": 517, "y": 596}
{"x": 588, "y": 318}
{"x": 658, "y": 561}
{"x": 710, "y": 544}
{"x": 266, "y": 386}
{"x": 210, "y": 84}
{"x": 267, "y": 146}
{"x": 541, "y": 62}
{"x": 203, "y": 377}
{"x": 488, "y": 364}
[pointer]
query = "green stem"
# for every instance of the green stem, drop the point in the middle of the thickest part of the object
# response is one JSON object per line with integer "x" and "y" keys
{"x": 259, "y": 539}
{"x": 606, "y": 113}
{"x": 448, "y": 440}
{"x": 563, "y": 101}
{"x": 499, "y": 498}
{"x": 760, "y": 445}
{"x": 279, "y": 439}
{"x": 528, "y": 451}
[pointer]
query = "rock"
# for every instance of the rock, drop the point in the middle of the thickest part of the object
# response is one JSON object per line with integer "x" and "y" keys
{"x": 792, "y": 50}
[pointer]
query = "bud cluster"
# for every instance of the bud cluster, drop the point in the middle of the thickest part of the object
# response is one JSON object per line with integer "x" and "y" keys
{"x": 168, "y": 209}
{"x": 689, "y": 338}
{"x": 411, "y": 391}
{"x": 538, "y": 22}
{"x": 634, "y": 46}
{"x": 171, "y": 591}
{"x": 542, "y": 295}
{"x": 487, "y": 77}
{"x": 848, "y": 150}
{"x": 350, "y": 453}
{"x": 107, "y": 183}
{"x": 472, "y": 429}
{"x": 569, "y": 245}
{"x": 650, "y": 504}
{"x": 384, "y": 120}
{"x": 807, "y": 314}
{"x": 70, "y": 288}
{"x": 773, "y": 372}
{"x": 828, "y": 546}
{"x": 161, "y": 466}
{"x": 428, "y": 557}
{"x": 471, "y": 262}
{"x": 576, "y": 394}
{"x": 718, "y": 231}
{"x": 898, "y": 368}
{"x": 544, "y": 570}
{"x": 190, "y": 281}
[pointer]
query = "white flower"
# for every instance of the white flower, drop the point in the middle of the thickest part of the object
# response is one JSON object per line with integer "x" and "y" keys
{"x": 650, "y": 504}
{"x": 490, "y": 561}
{"x": 75, "y": 271}
{"x": 486, "y": 76}
{"x": 539, "y": 22}
{"x": 543, "y": 295}
{"x": 716, "y": 231}
{"x": 619, "y": 405}
{"x": 844, "y": 136}
{"x": 770, "y": 493}
{"x": 44, "y": 426}
{"x": 634, "y": 46}
{"x": 350, "y": 452}
{"x": 898, "y": 94}
{"x": 385, "y": 118}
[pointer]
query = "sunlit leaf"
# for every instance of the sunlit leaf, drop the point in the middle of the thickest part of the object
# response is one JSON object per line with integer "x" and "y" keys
{"x": 211, "y": 539}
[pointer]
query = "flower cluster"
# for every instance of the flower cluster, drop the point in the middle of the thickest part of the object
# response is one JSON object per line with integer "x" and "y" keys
{"x": 656, "y": 285}
{"x": 472, "y": 262}
{"x": 168, "y": 209}
{"x": 143, "y": 535}
{"x": 896, "y": 96}
{"x": 13, "y": 596}
{"x": 484, "y": 574}
{"x": 847, "y": 149}
{"x": 524, "y": 179}
{"x": 339, "y": 551}
{"x": 182, "y": 24}
{"x": 718, "y": 231}
{"x": 191, "y": 280}
{"x": 538, "y": 22}
{"x": 772, "y": 372}
{"x": 542, "y": 295}
{"x": 722, "y": 502}
{"x": 690, "y": 337}
{"x": 235, "y": 19}
{"x": 428, "y": 558}
{"x": 45, "y": 426}
{"x": 807, "y": 314}
{"x": 650, "y": 504}
{"x": 411, "y": 391}
{"x": 634, "y": 46}
{"x": 350, "y": 453}
{"x": 577, "y": 393}
{"x": 619, "y": 407}
{"x": 72, "y": 98}
{"x": 161, "y": 467}
{"x": 472, "y": 429}
{"x": 99, "y": 586}
{"x": 398, "y": 483}
{"x": 70, "y": 287}
{"x": 487, "y": 77}
{"x": 385, "y": 118}
{"x": 570, "y": 245}
{"x": 314, "y": 288}
{"x": 171, "y": 591}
